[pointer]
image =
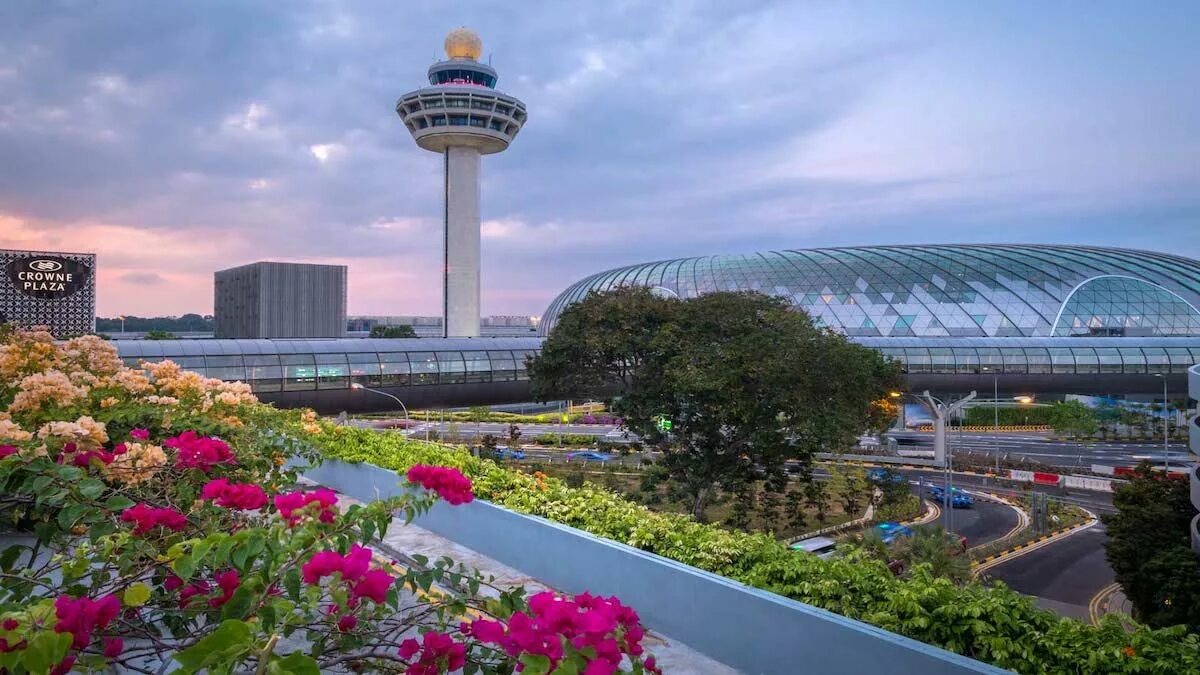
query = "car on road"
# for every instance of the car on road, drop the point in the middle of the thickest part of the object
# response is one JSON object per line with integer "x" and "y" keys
{"x": 889, "y": 532}
{"x": 619, "y": 435}
{"x": 822, "y": 547}
{"x": 505, "y": 453}
{"x": 589, "y": 456}
{"x": 958, "y": 498}
{"x": 881, "y": 475}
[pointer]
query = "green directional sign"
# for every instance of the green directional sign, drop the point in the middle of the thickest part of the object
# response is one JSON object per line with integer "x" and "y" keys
{"x": 663, "y": 424}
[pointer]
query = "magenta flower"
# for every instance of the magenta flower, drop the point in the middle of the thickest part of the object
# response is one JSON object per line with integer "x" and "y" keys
{"x": 449, "y": 483}
{"x": 243, "y": 496}
{"x": 321, "y": 564}
{"x": 113, "y": 647}
{"x": 6, "y": 450}
{"x": 139, "y": 434}
{"x": 146, "y": 518}
{"x": 81, "y": 616}
{"x": 228, "y": 581}
{"x": 199, "y": 452}
{"x": 374, "y": 585}
{"x": 438, "y": 653}
{"x": 292, "y": 505}
{"x": 347, "y": 623}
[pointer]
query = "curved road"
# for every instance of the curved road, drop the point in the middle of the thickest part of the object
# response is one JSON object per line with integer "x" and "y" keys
{"x": 985, "y": 521}
{"x": 1064, "y": 575}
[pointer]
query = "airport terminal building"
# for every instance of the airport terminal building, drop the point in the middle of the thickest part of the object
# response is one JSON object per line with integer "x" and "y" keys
{"x": 1023, "y": 319}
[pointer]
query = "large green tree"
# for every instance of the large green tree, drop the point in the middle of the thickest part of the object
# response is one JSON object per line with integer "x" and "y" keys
{"x": 745, "y": 380}
{"x": 1148, "y": 549}
{"x": 403, "y": 331}
{"x": 1073, "y": 418}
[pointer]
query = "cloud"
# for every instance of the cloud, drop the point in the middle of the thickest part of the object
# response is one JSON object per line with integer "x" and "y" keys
{"x": 142, "y": 278}
{"x": 176, "y": 143}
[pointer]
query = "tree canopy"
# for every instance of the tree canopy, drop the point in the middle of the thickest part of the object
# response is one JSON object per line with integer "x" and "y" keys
{"x": 1149, "y": 551}
{"x": 393, "y": 332}
{"x": 745, "y": 381}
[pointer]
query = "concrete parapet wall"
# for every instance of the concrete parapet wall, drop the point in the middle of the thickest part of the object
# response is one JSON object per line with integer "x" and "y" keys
{"x": 747, "y": 628}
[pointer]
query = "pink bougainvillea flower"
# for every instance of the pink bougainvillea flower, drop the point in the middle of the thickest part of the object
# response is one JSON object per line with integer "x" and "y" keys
{"x": 449, "y": 483}
{"x": 113, "y": 647}
{"x": 293, "y": 505}
{"x": 192, "y": 590}
{"x": 374, "y": 585}
{"x": 436, "y": 653}
{"x": 245, "y": 496}
{"x": 6, "y": 450}
{"x": 11, "y": 624}
{"x": 228, "y": 581}
{"x": 172, "y": 583}
{"x": 81, "y": 616}
{"x": 347, "y": 623}
{"x": 321, "y": 564}
{"x": 146, "y": 518}
{"x": 199, "y": 452}
{"x": 64, "y": 666}
{"x": 139, "y": 434}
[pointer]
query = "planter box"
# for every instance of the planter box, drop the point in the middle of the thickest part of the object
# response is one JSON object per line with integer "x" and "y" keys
{"x": 744, "y": 627}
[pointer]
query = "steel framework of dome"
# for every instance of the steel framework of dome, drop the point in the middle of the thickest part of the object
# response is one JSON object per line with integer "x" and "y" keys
{"x": 984, "y": 290}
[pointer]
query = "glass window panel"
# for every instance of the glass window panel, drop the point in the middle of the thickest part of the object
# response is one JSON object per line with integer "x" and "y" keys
{"x": 424, "y": 367}
{"x": 520, "y": 355}
{"x": 264, "y": 372}
{"x": 1085, "y": 360}
{"x": 917, "y": 360}
{"x": 451, "y": 366}
{"x": 363, "y": 357}
{"x": 478, "y": 366}
{"x": 990, "y": 360}
{"x": 394, "y": 369}
{"x": 942, "y": 360}
{"x": 967, "y": 360}
{"x": 1180, "y": 359}
{"x": 1110, "y": 360}
{"x": 338, "y": 359}
{"x": 1133, "y": 360}
{"x": 504, "y": 366}
{"x": 1063, "y": 361}
{"x": 1038, "y": 359}
{"x": 1014, "y": 360}
{"x": 333, "y": 375}
{"x": 1156, "y": 360}
{"x": 299, "y": 372}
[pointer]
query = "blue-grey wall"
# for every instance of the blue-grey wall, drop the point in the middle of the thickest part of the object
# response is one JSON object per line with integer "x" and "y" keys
{"x": 747, "y": 628}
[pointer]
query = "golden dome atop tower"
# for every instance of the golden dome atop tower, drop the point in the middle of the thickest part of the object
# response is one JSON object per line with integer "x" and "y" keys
{"x": 463, "y": 43}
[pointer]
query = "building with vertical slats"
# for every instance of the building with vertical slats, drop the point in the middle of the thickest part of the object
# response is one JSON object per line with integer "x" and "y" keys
{"x": 280, "y": 300}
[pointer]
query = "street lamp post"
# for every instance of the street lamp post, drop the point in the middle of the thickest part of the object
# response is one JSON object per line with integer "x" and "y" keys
{"x": 356, "y": 385}
{"x": 1166, "y": 432}
{"x": 941, "y": 454}
{"x": 995, "y": 416}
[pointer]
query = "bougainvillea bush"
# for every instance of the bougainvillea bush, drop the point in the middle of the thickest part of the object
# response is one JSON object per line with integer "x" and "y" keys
{"x": 152, "y": 526}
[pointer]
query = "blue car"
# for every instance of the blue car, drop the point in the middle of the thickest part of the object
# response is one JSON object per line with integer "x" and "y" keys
{"x": 889, "y": 532}
{"x": 883, "y": 475}
{"x": 505, "y": 453}
{"x": 958, "y": 498}
{"x": 589, "y": 456}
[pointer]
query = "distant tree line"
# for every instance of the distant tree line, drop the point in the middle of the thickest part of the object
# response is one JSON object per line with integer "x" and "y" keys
{"x": 188, "y": 323}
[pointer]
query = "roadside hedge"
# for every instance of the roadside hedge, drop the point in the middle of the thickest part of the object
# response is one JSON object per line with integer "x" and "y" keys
{"x": 989, "y": 623}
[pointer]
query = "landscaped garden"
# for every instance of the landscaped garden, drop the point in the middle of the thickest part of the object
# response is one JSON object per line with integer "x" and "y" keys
{"x": 154, "y": 526}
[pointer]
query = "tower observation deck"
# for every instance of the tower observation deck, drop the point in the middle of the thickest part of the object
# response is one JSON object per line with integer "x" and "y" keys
{"x": 462, "y": 116}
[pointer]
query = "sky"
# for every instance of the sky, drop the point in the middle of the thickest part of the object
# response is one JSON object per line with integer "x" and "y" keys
{"x": 174, "y": 139}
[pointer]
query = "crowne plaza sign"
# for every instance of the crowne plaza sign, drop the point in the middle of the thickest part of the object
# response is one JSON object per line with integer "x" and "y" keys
{"x": 48, "y": 277}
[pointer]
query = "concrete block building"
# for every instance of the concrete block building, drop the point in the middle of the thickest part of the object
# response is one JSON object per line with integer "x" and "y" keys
{"x": 280, "y": 300}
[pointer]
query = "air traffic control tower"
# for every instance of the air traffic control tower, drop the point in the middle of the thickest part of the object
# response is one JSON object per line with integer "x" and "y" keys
{"x": 462, "y": 116}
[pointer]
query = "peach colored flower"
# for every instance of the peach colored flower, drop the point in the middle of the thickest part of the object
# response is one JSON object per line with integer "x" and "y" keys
{"x": 162, "y": 400}
{"x": 39, "y": 389}
{"x": 132, "y": 381}
{"x": 85, "y": 432}
{"x": 139, "y": 463}
{"x": 109, "y": 402}
{"x": 92, "y": 354}
{"x": 10, "y": 431}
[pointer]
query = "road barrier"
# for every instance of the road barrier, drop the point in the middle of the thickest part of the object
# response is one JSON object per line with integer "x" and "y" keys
{"x": 1088, "y": 483}
{"x": 990, "y": 429}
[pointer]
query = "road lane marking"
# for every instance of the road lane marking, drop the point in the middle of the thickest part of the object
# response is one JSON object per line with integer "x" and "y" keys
{"x": 1042, "y": 542}
{"x": 1098, "y": 606}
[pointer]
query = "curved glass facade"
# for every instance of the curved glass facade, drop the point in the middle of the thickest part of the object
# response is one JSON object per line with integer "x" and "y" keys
{"x": 943, "y": 291}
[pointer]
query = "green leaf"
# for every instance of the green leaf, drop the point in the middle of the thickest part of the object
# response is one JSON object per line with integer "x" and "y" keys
{"x": 91, "y": 488}
{"x": 72, "y": 513}
{"x": 136, "y": 595}
{"x": 535, "y": 664}
{"x": 295, "y": 663}
{"x": 185, "y": 567}
{"x": 118, "y": 503}
{"x": 238, "y": 604}
{"x": 46, "y": 650}
{"x": 291, "y": 583}
{"x": 230, "y": 641}
{"x": 9, "y": 556}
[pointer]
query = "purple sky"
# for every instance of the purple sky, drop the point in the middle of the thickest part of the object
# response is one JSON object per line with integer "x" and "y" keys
{"x": 174, "y": 139}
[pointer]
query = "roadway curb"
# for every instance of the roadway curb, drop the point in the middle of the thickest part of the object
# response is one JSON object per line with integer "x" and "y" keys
{"x": 980, "y": 566}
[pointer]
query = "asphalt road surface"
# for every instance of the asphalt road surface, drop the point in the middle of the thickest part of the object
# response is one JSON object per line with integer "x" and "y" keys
{"x": 1063, "y": 575}
{"x": 984, "y": 522}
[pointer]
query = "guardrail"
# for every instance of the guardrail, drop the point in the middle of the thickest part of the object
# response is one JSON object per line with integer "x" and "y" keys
{"x": 1003, "y": 428}
{"x": 746, "y": 628}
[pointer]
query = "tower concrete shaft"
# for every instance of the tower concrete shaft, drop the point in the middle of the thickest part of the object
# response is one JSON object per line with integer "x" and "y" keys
{"x": 461, "y": 116}
{"x": 460, "y": 292}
